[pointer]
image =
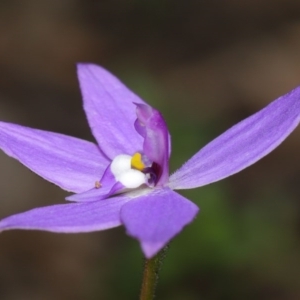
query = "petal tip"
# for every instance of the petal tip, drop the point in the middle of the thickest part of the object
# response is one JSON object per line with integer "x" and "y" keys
{"x": 151, "y": 249}
{"x": 84, "y": 66}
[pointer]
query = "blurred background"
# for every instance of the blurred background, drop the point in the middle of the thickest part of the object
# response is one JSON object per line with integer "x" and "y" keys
{"x": 205, "y": 65}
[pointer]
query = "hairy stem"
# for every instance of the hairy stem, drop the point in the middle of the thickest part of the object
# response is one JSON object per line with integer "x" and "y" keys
{"x": 152, "y": 267}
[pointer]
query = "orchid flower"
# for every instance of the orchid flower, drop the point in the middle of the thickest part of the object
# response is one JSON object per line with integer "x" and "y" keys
{"x": 124, "y": 180}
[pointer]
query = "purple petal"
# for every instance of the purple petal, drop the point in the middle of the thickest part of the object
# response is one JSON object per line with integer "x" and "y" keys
{"x": 94, "y": 194}
{"x": 151, "y": 125}
{"x": 107, "y": 184}
{"x": 68, "y": 162}
{"x": 110, "y": 111}
{"x": 154, "y": 219}
{"x": 242, "y": 145}
{"x": 69, "y": 218}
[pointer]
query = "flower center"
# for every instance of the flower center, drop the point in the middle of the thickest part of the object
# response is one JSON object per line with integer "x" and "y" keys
{"x": 133, "y": 171}
{"x": 136, "y": 162}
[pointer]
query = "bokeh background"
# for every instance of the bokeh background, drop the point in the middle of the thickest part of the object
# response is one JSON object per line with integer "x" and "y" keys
{"x": 206, "y": 65}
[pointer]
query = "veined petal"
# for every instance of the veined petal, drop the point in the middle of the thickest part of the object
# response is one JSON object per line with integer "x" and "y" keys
{"x": 242, "y": 145}
{"x": 69, "y": 218}
{"x": 102, "y": 191}
{"x": 153, "y": 128}
{"x": 71, "y": 163}
{"x": 109, "y": 107}
{"x": 94, "y": 194}
{"x": 154, "y": 219}
{"x": 97, "y": 194}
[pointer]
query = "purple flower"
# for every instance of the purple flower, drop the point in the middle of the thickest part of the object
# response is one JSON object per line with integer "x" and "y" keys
{"x": 125, "y": 179}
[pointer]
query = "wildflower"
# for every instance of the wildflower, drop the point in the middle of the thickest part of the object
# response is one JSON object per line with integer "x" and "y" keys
{"x": 125, "y": 179}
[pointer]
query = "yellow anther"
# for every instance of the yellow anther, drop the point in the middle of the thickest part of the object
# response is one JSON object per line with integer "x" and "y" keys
{"x": 136, "y": 162}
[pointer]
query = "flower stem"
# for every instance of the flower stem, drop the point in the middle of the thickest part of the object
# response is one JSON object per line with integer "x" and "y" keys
{"x": 152, "y": 267}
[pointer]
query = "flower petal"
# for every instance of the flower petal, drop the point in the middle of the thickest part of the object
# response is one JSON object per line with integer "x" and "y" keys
{"x": 109, "y": 107}
{"x": 154, "y": 219}
{"x": 97, "y": 194}
{"x": 71, "y": 163}
{"x": 94, "y": 194}
{"x": 242, "y": 145}
{"x": 152, "y": 127}
{"x": 69, "y": 218}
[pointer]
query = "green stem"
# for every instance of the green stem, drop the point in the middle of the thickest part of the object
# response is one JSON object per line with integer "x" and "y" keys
{"x": 152, "y": 267}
